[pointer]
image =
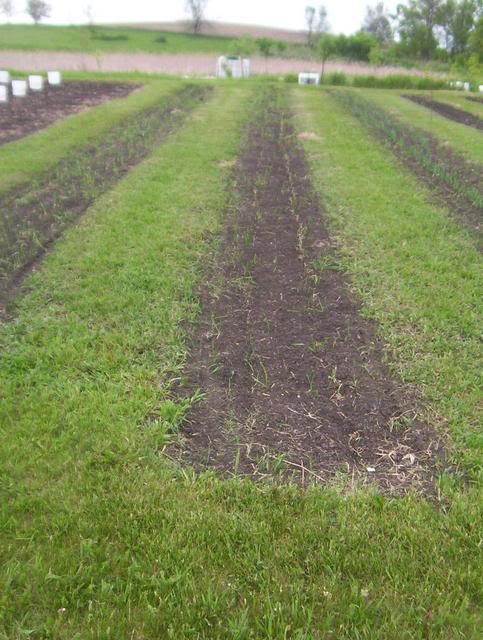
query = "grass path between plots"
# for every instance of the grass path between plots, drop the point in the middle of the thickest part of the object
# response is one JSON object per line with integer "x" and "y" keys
{"x": 101, "y": 538}
{"x": 23, "y": 159}
{"x": 418, "y": 273}
{"x": 461, "y": 138}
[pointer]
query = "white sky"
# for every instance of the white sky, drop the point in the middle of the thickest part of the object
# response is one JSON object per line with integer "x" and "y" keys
{"x": 345, "y": 16}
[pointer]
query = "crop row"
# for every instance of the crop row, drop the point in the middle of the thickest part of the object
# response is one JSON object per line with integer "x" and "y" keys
{"x": 440, "y": 167}
{"x": 34, "y": 215}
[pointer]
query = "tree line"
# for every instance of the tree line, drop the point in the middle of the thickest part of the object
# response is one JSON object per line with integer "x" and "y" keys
{"x": 447, "y": 30}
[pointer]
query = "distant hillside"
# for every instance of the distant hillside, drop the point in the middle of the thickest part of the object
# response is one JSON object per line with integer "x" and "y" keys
{"x": 222, "y": 29}
{"x": 103, "y": 38}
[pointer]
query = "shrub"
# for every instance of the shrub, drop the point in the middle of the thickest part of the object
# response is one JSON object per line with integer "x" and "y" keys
{"x": 337, "y": 78}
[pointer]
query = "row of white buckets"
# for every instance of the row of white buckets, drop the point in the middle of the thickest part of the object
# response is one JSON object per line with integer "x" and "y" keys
{"x": 20, "y": 88}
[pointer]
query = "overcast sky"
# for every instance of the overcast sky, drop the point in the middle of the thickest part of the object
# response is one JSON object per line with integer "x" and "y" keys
{"x": 344, "y": 15}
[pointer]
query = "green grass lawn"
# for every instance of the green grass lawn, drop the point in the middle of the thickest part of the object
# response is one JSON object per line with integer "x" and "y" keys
{"x": 27, "y": 157}
{"x": 103, "y": 39}
{"x": 466, "y": 140}
{"x": 102, "y": 537}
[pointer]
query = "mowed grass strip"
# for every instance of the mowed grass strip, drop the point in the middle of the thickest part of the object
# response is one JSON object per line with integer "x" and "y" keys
{"x": 417, "y": 272}
{"x": 24, "y": 159}
{"x": 463, "y": 139}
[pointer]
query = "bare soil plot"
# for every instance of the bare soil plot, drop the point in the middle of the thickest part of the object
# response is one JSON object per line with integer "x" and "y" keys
{"x": 448, "y": 111}
{"x": 293, "y": 377}
{"x": 38, "y": 110}
{"x": 475, "y": 99}
{"x": 454, "y": 182}
{"x": 33, "y": 216}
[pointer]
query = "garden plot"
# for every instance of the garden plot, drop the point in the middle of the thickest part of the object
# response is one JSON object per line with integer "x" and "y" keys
{"x": 292, "y": 376}
{"x": 448, "y": 111}
{"x": 454, "y": 181}
{"x": 476, "y": 99}
{"x": 37, "y": 110}
{"x": 32, "y": 216}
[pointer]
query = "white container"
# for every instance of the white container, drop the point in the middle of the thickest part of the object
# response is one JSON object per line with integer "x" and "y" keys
{"x": 466, "y": 86}
{"x": 19, "y": 88}
{"x": 480, "y": 88}
{"x": 4, "y": 77}
{"x": 3, "y": 93}
{"x": 458, "y": 84}
{"x": 232, "y": 67}
{"x": 54, "y": 78}
{"x": 309, "y": 78}
{"x": 36, "y": 83}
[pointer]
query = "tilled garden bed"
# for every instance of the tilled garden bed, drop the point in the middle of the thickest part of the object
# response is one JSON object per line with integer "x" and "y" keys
{"x": 22, "y": 116}
{"x": 292, "y": 379}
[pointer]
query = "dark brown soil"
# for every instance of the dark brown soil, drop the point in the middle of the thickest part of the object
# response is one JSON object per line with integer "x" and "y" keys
{"x": 448, "y": 111}
{"x": 293, "y": 377}
{"x": 32, "y": 217}
{"x": 475, "y": 99}
{"x": 38, "y": 110}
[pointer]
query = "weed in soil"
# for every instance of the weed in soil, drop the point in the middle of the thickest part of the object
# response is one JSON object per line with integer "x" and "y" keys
{"x": 448, "y": 111}
{"x": 292, "y": 376}
{"x": 33, "y": 217}
{"x": 453, "y": 181}
{"x": 22, "y": 116}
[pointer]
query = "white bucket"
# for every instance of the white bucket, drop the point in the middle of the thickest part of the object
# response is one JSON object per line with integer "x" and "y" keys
{"x": 36, "y": 83}
{"x": 19, "y": 88}
{"x": 54, "y": 78}
{"x": 309, "y": 78}
{"x": 466, "y": 86}
{"x": 4, "y": 77}
{"x": 3, "y": 93}
{"x": 480, "y": 88}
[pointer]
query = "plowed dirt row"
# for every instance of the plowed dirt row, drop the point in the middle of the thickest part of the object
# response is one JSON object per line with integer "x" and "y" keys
{"x": 448, "y": 111}
{"x": 22, "y": 116}
{"x": 293, "y": 378}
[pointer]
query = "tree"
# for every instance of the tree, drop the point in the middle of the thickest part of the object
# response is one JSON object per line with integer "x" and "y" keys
{"x": 462, "y": 24}
{"x": 38, "y": 9}
{"x": 242, "y": 48}
{"x": 377, "y": 23}
{"x": 325, "y": 49}
{"x": 265, "y": 46}
{"x": 310, "y": 13}
{"x": 416, "y": 24}
{"x": 197, "y": 10}
{"x": 476, "y": 41}
{"x": 322, "y": 21}
{"x": 6, "y": 7}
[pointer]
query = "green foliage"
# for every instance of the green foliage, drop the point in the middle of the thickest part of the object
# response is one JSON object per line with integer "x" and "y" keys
{"x": 265, "y": 46}
{"x": 476, "y": 41}
{"x": 243, "y": 47}
{"x": 337, "y": 78}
